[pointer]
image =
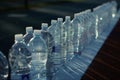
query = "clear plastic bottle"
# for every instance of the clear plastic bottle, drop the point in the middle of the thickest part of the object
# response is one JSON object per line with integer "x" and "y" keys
{"x": 58, "y": 31}
{"x": 101, "y": 14}
{"x": 38, "y": 48}
{"x": 76, "y": 25}
{"x": 57, "y": 56}
{"x": 47, "y": 37}
{"x": 92, "y": 27}
{"x": 28, "y": 35}
{"x": 85, "y": 24}
{"x": 55, "y": 30}
{"x": 68, "y": 38}
{"x": 19, "y": 59}
{"x": 4, "y": 68}
{"x": 81, "y": 29}
{"x": 89, "y": 26}
{"x": 63, "y": 38}
{"x": 50, "y": 44}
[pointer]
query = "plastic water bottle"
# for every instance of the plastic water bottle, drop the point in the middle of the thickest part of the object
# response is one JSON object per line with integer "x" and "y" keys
{"x": 62, "y": 40}
{"x": 85, "y": 24}
{"x": 19, "y": 59}
{"x": 38, "y": 48}
{"x": 92, "y": 28}
{"x": 83, "y": 30}
{"x": 103, "y": 16}
{"x": 28, "y": 35}
{"x": 47, "y": 37}
{"x": 50, "y": 44}
{"x": 57, "y": 56}
{"x": 89, "y": 26}
{"x": 58, "y": 31}
{"x": 80, "y": 24}
{"x": 99, "y": 18}
{"x": 76, "y": 25}
{"x": 68, "y": 38}
{"x": 97, "y": 33}
{"x": 54, "y": 29}
{"x": 4, "y": 69}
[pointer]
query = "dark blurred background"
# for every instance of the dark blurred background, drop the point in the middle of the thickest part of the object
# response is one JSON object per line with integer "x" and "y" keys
{"x": 15, "y": 15}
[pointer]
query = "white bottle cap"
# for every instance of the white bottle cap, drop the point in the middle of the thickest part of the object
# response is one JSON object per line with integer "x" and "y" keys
{"x": 19, "y": 37}
{"x": 80, "y": 13}
{"x": 87, "y": 11}
{"x": 53, "y": 21}
{"x": 84, "y": 12}
{"x": 60, "y": 19}
{"x": 76, "y": 15}
{"x": 67, "y": 17}
{"x": 37, "y": 32}
{"x": 44, "y": 26}
{"x": 29, "y": 29}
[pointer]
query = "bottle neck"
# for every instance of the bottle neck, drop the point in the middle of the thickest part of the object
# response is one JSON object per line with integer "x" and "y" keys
{"x": 36, "y": 35}
{"x": 19, "y": 41}
{"x": 29, "y": 32}
{"x": 59, "y": 23}
{"x": 43, "y": 29}
{"x": 54, "y": 24}
{"x": 67, "y": 20}
{"x": 76, "y": 16}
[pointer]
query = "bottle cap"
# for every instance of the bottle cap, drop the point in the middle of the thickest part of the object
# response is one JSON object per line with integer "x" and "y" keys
{"x": 44, "y": 26}
{"x": 37, "y": 32}
{"x": 29, "y": 29}
{"x": 53, "y": 21}
{"x": 87, "y": 11}
{"x": 76, "y": 15}
{"x": 60, "y": 19}
{"x": 67, "y": 17}
{"x": 19, "y": 37}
